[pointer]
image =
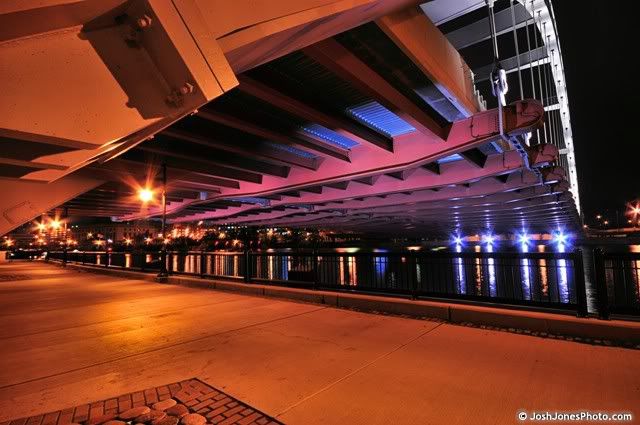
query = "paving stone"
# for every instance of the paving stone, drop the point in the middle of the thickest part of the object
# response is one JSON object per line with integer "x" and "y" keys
{"x": 179, "y": 410}
{"x": 165, "y": 404}
{"x": 167, "y": 420}
{"x": 101, "y": 419}
{"x": 218, "y": 407}
{"x": 249, "y": 419}
{"x": 152, "y": 416}
{"x": 134, "y": 412}
{"x": 193, "y": 419}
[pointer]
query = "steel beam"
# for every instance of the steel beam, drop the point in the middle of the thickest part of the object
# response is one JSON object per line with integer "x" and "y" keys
{"x": 412, "y": 151}
{"x": 452, "y": 174}
{"x": 340, "y": 125}
{"x": 216, "y": 161}
{"x": 245, "y": 148}
{"x": 252, "y": 33}
{"x": 479, "y": 30}
{"x": 122, "y": 90}
{"x": 24, "y": 200}
{"x": 535, "y": 57}
{"x": 186, "y": 164}
{"x": 339, "y": 60}
{"x": 275, "y": 136}
{"x": 483, "y": 194}
{"x": 433, "y": 55}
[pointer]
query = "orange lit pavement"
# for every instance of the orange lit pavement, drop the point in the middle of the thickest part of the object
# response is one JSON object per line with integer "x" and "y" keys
{"x": 70, "y": 337}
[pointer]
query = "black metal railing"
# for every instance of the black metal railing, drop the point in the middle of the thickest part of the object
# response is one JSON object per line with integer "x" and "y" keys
{"x": 548, "y": 280}
{"x": 212, "y": 264}
{"x": 553, "y": 280}
{"x": 617, "y": 282}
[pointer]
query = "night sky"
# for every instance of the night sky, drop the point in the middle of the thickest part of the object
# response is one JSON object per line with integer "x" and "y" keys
{"x": 598, "y": 41}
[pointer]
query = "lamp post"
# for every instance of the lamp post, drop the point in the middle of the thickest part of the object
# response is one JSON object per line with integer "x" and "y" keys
{"x": 163, "y": 274}
{"x": 145, "y": 196}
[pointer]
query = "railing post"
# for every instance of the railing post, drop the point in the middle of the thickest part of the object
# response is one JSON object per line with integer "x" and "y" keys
{"x": 413, "y": 274}
{"x": 203, "y": 267}
{"x": 581, "y": 289}
{"x": 316, "y": 277}
{"x": 107, "y": 259}
{"x": 64, "y": 256}
{"x": 601, "y": 284}
{"x": 247, "y": 266}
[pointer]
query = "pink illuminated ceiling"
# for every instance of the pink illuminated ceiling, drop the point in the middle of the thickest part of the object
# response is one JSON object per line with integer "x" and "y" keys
{"x": 361, "y": 126}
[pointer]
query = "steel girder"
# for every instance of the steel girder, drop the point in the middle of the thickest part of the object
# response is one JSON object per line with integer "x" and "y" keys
{"x": 108, "y": 74}
{"x": 412, "y": 150}
{"x": 454, "y": 182}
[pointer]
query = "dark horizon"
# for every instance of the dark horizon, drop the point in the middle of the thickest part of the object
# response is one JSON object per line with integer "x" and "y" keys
{"x": 600, "y": 81}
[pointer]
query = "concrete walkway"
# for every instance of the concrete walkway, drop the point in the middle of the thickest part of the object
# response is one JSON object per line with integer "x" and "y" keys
{"x": 68, "y": 337}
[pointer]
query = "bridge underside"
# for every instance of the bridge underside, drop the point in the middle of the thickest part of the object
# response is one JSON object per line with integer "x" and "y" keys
{"x": 347, "y": 115}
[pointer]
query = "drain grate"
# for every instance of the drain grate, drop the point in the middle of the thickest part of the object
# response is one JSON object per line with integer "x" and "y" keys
{"x": 190, "y": 402}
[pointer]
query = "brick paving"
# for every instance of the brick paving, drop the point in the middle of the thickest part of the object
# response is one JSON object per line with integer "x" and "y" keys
{"x": 200, "y": 399}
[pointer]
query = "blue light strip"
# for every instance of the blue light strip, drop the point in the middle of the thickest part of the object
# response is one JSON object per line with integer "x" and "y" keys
{"x": 329, "y": 135}
{"x": 379, "y": 118}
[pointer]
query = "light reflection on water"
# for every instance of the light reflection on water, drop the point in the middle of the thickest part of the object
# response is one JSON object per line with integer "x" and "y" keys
{"x": 526, "y": 274}
{"x": 527, "y": 279}
{"x": 461, "y": 284}
{"x": 493, "y": 289}
{"x": 563, "y": 280}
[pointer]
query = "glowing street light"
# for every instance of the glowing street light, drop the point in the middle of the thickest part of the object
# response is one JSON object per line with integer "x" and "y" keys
{"x": 127, "y": 241}
{"x": 55, "y": 224}
{"x": 524, "y": 240}
{"x": 559, "y": 237}
{"x": 145, "y": 195}
{"x": 488, "y": 239}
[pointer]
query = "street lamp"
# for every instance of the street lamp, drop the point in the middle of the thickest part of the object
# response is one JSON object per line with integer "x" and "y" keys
{"x": 145, "y": 196}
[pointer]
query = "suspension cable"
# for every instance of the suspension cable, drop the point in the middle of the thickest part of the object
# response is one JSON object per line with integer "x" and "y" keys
{"x": 492, "y": 29}
{"x": 499, "y": 87}
{"x": 539, "y": 73}
{"x": 547, "y": 83}
{"x": 515, "y": 41}
{"x": 552, "y": 80}
{"x": 533, "y": 86}
{"x": 498, "y": 77}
